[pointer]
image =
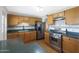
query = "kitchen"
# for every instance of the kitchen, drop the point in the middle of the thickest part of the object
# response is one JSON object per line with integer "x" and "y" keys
{"x": 56, "y": 32}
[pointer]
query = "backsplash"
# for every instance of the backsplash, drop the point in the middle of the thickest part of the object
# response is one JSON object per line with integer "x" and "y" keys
{"x": 71, "y": 28}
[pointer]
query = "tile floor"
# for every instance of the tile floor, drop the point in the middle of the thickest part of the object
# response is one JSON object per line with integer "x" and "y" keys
{"x": 16, "y": 46}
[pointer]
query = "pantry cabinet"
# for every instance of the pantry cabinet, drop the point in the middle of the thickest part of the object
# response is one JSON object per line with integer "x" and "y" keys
{"x": 72, "y": 16}
{"x": 50, "y": 19}
{"x": 70, "y": 45}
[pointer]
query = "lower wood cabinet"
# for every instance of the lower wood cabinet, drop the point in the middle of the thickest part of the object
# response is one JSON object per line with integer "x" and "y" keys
{"x": 29, "y": 36}
{"x": 47, "y": 38}
{"x": 70, "y": 45}
{"x": 33, "y": 35}
{"x": 76, "y": 44}
{"x": 12, "y": 36}
{"x": 21, "y": 35}
{"x": 24, "y": 36}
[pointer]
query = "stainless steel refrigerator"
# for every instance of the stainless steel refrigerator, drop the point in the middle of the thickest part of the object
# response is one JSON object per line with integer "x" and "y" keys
{"x": 40, "y": 28}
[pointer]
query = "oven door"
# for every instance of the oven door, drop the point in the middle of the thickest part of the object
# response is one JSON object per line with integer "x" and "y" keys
{"x": 56, "y": 41}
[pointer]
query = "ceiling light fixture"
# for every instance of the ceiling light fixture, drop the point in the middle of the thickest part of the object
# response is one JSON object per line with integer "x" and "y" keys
{"x": 39, "y": 8}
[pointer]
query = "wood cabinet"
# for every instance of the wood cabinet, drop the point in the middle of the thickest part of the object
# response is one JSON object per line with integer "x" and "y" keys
{"x": 12, "y": 36}
{"x": 52, "y": 16}
{"x": 55, "y": 15}
{"x": 12, "y": 20}
{"x": 21, "y": 35}
{"x": 60, "y": 14}
{"x": 70, "y": 45}
{"x": 50, "y": 19}
{"x": 29, "y": 36}
{"x": 20, "y": 19}
{"x": 72, "y": 16}
{"x": 26, "y": 19}
{"x": 76, "y": 44}
{"x": 47, "y": 38}
{"x": 32, "y": 20}
{"x": 33, "y": 35}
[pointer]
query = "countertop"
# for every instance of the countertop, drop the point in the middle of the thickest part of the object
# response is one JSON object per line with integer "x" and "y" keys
{"x": 13, "y": 31}
{"x": 72, "y": 34}
{"x": 67, "y": 33}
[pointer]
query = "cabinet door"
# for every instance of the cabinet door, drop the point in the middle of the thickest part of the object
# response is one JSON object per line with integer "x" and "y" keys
{"x": 32, "y": 20}
{"x": 76, "y": 45}
{"x": 12, "y": 20}
{"x": 20, "y": 19}
{"x": 26, "y": 19}
{"x": 72, "y": 16}
{"x": 69, "y": 45}
{"x": 21, "y": 35}
{"x": 61, "y": 14}
{"x": 12, "y": 36}
{"x": 55, "y": 15}
{"x": 27, "y": 37}
{"x": 33, "y": 35}
{"x": 47, "y": 38}
{"x": 50, "y": 19}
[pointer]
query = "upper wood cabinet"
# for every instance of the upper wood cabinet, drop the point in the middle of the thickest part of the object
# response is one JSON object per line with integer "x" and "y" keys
{"x": 32, "y": 20}
{"x": 55, "y": 15}
{"x": 50, "y": 19}
{"x": 26, "y": 19}
{"x": 72, "y": 16}
{"x": 12, "y": 20}
{"x": 20, "y": 19}
{"x": 60, "y": 14}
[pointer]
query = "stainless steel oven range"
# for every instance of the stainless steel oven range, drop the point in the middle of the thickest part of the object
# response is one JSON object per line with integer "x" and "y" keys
{"x": 56, "y": 41}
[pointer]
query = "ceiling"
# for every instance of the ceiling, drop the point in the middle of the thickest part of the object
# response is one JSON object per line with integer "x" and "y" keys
{"x": 36, "y": 11}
